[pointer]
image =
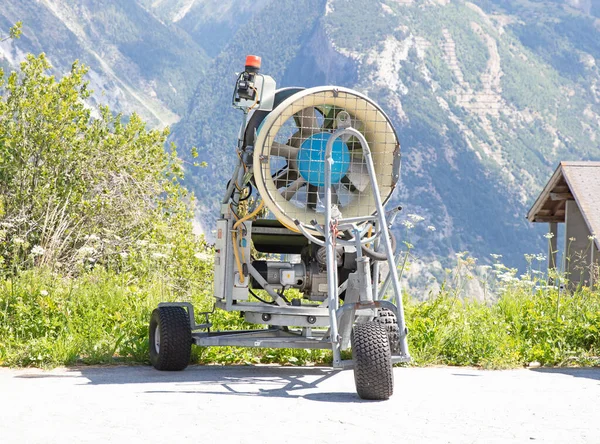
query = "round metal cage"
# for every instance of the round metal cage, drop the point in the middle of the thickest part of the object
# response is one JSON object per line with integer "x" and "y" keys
{"x": 289, "y": 155}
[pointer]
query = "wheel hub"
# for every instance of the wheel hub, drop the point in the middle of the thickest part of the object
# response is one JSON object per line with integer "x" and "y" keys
{"x": 157, "y": 339}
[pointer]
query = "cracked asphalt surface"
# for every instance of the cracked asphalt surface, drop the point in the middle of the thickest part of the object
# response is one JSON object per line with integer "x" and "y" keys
{"x": 264, "y": 404}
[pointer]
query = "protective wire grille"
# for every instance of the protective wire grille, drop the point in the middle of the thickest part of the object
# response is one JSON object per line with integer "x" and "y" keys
{"x": 289, "y": 163}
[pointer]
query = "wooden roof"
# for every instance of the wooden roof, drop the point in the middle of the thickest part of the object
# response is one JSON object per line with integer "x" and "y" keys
{"x": 579, "y": 181}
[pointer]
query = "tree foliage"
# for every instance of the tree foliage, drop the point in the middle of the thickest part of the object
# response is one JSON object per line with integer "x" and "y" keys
{"x": 68, "y": 176}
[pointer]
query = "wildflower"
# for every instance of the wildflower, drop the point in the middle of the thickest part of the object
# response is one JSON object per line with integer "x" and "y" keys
{"x": 540, "y": 258}
{"x": 495, "y": 256}
{"x": 92, "y": 237}
{"x": 142, "y": 243}
{"x": 572, "y": 239}
{"x": 37, "y": 251}
{"x": 485, "y": 267}
{"x": 86, "y": 251}
{"x": 408, "y": 224}
{"x": 158, "y": 255}
{"x": 44, "y": 293}
{"x": 549, "y": 235}
{"x": 591, "y": 237}
{"x": 124, "y": 255}
{"x": 18, "y": 241}
{"x": 430, "y": 227}
{"x": 416, "y": 218}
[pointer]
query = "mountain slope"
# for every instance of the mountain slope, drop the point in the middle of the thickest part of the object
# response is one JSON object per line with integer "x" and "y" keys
{"x": 487, "y": 96}
{"x": 137, "y": 62}
{"x": 483, "y": 110}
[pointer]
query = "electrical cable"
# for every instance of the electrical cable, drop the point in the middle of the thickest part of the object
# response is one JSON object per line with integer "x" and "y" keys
{"x": 259, "y": 298}
{"x": 255, "y": 101}
{"x": 236, "y": 251}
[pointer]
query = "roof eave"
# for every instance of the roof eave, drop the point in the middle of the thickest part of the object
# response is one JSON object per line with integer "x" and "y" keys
{"x": 545, "y": 194}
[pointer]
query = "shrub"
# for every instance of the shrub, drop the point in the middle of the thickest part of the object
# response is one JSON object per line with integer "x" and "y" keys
{"x": 67, "y": 177}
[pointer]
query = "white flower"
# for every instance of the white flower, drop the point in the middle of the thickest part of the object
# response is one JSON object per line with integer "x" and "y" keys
{"x": 592, "y": 237}
{"x": 37, "y": 251}
{"x": 408, "y": 224}
{"x": 44, "y": 293}
{"x": 540, "y": 258}
{"x": 430, "y": 227}
{"x": 86, "y": 251}
{"x": 416, "y": 218}
{"x": 158, "y": 255}
{"x": 549, "y": 235}
{"x": 572, "y": 239}
{"x": 495, "y": 256}
{"x": 202, "y": 256}
{"x": 124, "y": 255}
{"x": 18, "y": 241}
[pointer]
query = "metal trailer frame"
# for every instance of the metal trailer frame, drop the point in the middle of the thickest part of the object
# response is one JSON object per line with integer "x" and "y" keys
{"x": 338, "y": 319}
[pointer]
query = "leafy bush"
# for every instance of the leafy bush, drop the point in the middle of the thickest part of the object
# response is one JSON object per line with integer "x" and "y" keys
{"x": 67, "y": 177}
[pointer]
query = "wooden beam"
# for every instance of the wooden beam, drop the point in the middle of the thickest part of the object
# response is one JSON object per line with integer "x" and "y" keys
{"x": 549, "y": 219}
{"x": 561, "y": 196}
{"x": 561, "y": 189}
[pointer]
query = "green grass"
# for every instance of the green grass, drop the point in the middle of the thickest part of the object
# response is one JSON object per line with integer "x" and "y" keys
{"x": 100, "y": 317}
{"x": 517, "y": 329}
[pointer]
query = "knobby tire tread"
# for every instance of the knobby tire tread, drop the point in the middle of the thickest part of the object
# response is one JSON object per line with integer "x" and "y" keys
{"x": 373, "y": 373}
{"x": 175, "y": 339}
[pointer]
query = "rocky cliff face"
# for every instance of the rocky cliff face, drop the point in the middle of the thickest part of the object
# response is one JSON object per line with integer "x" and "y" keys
{"x": 137, "y": 63}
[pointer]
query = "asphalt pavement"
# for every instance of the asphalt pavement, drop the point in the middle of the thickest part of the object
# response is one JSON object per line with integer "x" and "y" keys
{"x": 266, "y": 404}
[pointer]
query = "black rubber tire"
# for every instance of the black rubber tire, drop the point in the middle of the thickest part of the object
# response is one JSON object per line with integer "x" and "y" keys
{"x": 387, "y": 318}
{"x": 373, "y": 373}
{"x": 175, "y": 346}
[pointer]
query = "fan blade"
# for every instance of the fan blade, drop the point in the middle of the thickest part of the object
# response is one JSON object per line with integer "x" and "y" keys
{"x": 346, "y": 181}
{"x": 307, "y": 123}
{"x": 285, "y": 178}
{"x": 312, "y": 196}
{"x": 281, "y": 150}
{"x": 358, "y": 176}
{"x": 335, "y": 200}
{"x": 289, "y": 192}
{"x": 306, "y": 118}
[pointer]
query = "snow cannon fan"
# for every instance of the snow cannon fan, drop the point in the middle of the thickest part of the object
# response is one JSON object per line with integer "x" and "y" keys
{"x": 324, "y": 161}
{"x": 288, "y": 161}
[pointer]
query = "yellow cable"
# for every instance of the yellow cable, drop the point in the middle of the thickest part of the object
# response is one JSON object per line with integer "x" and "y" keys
{"x": 249, "y": 216}
{"x": 256, "y": 101}
{"x": 236, "y": 252}
{"x": 369, "y": 235}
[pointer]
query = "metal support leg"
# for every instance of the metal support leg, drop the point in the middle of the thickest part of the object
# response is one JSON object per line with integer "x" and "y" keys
{"x": 381, "y": 219}
{"x": 331, "y": 260}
